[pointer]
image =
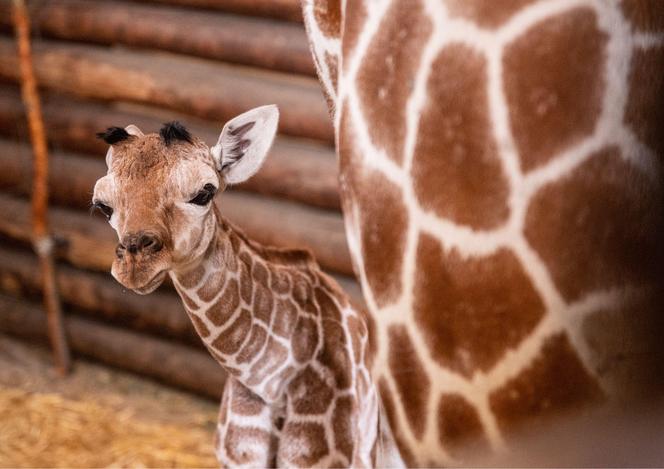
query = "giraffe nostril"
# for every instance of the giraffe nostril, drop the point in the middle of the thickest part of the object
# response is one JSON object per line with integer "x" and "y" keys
{"x": 149, "y": 242}
{"x": 139, "y": 242}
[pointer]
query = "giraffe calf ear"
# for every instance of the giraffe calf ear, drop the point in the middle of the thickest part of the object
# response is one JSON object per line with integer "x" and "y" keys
{"x": 244, "y": 143}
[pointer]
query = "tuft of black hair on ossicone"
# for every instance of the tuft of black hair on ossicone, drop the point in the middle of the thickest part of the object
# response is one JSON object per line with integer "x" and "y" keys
{"x": 113, "y": 135}
{"x": 174, "y": 131}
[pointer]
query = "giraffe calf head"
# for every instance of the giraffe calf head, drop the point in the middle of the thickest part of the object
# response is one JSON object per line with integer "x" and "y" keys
{"x": 158, "y": 191}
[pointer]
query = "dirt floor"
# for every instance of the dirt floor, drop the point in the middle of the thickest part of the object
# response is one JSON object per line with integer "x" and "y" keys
{"x": 96, "y": 417}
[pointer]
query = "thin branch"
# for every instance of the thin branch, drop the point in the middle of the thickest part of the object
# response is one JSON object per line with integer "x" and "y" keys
{"x": 42, "y": 241}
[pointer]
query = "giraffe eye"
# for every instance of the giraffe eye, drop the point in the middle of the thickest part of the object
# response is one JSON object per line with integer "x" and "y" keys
{"x": 103, "y": 208}
{"x": 205, "y": 195}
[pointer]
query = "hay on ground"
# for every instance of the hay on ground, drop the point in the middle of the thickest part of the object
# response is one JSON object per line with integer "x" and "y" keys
{"x": 47, "y": 430}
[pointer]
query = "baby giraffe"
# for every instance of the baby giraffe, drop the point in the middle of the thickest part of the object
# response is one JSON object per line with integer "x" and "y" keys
{"x": 299, "y": 392}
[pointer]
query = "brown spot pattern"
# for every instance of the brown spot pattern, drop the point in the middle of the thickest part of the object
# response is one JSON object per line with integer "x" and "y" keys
{"x": 284, "y": 319}
{"x": 334, "y": 354}
{"x": 261, "y": 275}
{"x": 343, "y": 424}
{"x": 305, "y": 339}
{"x": 273, "y": 357}
{"x": 644, "y": 113}
{"x": 245, "y": 402}
{"x": 411, "y": 379}
{"x": 356, "y": 330}
{"x": 200, "y": 326}
{"x": 555, "y": 382}
{"x": 213, "y": 286}
{"x": 280, "y": 282}
{"x": 311, "y": 395}
{"x": 327, "y": 14}
{"x": 599, "y": 227}
{"x": 223, "y": 309}
{"x": 333, "y": 69}
{"x": 274, "y": 386}
{"x": 372, "y": 346}
{"x": 388, "y": 71}
{"x": 297, "y": 436}
{"x": 325, "y": 304}
{"x": 462, "y": 306}
{"x": 191, "y": 279}
{"x": 301, "y": 290}
{"x": 456, "y": 171}
{"x": 229, "y": 341}
{"x": 644, "y": 15}
{"x": 485, "y": 13}
{"x": 553, "y": 78}
{"x": 246, "y": 283}
{"x": 354, "y": 19}
{"x": 384, "y": 219}
{"x": 263, "y": 302}
{"x": 459, "y": 426}
{"x": 232, "y": 263}
{"x": 253, "y": 345}
{"x": 188, "y": 302}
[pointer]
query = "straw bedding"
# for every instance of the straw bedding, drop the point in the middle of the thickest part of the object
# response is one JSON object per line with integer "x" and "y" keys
{"x": 47, "y": 430}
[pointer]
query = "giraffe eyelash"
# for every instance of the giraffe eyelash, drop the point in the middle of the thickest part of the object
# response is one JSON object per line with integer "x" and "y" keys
{"x": 205, "y": 195}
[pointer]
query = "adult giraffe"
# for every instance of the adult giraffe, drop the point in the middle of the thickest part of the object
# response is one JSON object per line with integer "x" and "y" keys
{"x": 501, "y": 180}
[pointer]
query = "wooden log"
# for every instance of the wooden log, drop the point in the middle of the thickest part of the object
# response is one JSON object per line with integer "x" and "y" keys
{"x": 90, "y": 242}
{"x": 256, "y": 42}
{"x": 171, "y": 363}
{"x": 71, "y": 179}
{"x": 195, "y": 86}
{"x": 283, "y": 9}
{"x": 298, "y": 170}
{"x": 83, "y": 241}
{"x": 100, "y": 296}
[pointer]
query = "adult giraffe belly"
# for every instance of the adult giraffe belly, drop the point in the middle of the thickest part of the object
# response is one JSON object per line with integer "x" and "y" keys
{"x": 502, "y": 191}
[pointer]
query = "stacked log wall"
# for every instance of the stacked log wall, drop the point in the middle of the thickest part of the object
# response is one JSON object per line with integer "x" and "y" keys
{"x": 102, "y": 64}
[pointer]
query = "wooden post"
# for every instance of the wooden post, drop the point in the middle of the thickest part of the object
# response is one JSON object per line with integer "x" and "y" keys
{"x": 42, "y": 241}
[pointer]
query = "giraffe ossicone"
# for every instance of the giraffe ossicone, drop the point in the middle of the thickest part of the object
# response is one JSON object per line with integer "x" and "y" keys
{"x": 297, "y": 352}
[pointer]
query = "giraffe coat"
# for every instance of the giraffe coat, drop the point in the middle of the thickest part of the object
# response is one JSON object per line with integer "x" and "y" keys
{"x": 501, "y": 182}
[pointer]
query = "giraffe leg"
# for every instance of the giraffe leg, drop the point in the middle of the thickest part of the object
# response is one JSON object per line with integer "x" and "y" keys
{"x": 317, "y": 441}
{"x": 245, "y": 435}
{"x": 303, "y": 444}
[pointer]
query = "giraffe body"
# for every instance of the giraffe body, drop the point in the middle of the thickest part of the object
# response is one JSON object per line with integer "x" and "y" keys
{"x": 296, "y": 350}
{"x": 501, "y": 181}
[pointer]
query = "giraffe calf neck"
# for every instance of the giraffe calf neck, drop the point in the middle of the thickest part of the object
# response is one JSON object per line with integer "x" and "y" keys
{"x": 296, "y": 351}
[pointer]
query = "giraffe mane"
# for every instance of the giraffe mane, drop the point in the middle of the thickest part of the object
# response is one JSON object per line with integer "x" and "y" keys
{"x": 285, "y": 256}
